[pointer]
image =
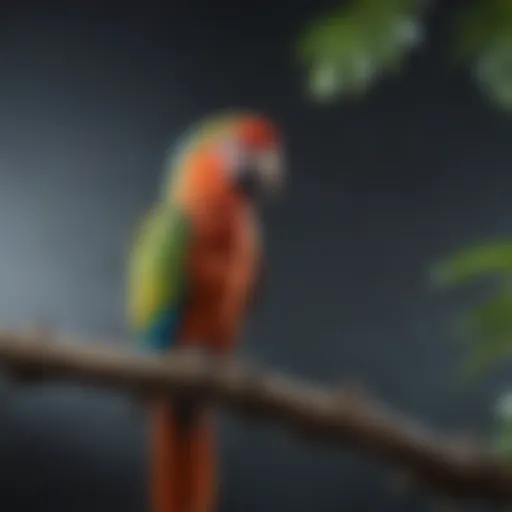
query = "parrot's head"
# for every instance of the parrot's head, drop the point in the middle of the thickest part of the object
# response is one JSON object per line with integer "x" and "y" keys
{"x": 238, "y": 155}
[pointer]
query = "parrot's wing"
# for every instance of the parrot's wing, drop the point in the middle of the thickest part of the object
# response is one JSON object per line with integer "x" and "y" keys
{"x": 157, "y": 277}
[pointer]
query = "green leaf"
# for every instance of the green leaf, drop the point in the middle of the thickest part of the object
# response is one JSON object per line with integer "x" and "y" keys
{"x": 484, "y": 357}
{"x": 489, "y": 326}
{"x": 476, "y": 25}
{"x": 501, "y": 444}
{"x": 501, "y": 438}
{"x": 349, "y": 48}
{"x": 503, "y": 408}
{"x": 485, "y": 260}
{"x": 484, "y": 42}
{"x": 493, "y": 71}
{"x": 491, "y": 320}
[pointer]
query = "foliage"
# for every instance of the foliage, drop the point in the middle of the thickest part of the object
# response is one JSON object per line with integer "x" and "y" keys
{"x": 485, "y": 41}
{"x": 347, "y": 50}
{"x": 501, "y": 440}
{"x": 501, "y": 445}
{"x": 489, "y": 325}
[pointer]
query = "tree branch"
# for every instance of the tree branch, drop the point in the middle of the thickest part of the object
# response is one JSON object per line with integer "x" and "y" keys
{"x": 339, "y": 416}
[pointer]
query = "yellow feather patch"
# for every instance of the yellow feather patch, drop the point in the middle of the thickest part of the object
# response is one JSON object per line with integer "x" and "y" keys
{"x": 156, "y": 275}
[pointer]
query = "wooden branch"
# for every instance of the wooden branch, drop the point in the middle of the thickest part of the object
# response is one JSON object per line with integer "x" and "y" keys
{"x": 339, "y": 416}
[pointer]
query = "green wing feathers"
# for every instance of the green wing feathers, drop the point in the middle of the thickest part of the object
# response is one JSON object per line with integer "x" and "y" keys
{"x": 157, "y": 275}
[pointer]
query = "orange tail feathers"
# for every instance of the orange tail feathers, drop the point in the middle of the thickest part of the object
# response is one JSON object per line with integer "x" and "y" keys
{"x": 183, "y": 470}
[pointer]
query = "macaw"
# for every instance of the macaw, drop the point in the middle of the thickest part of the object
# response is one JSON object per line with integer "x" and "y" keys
{"x": 194, "y": 270}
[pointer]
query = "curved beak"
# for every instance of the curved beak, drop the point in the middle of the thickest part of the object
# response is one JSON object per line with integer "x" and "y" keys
{"x": 270, "y": 167}
{"x": 262, "y": 174}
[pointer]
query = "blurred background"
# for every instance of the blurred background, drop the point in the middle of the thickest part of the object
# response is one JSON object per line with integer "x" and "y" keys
{"x": 388, "y": 173}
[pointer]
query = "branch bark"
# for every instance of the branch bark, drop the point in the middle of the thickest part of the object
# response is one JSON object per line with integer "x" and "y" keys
{"x": 339, "y": 416}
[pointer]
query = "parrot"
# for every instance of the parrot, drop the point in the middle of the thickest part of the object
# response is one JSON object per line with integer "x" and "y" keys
{"x": 195, "y": 270}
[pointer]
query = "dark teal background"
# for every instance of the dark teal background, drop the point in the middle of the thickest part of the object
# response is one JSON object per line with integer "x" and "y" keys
{"x": 90, "y": 99}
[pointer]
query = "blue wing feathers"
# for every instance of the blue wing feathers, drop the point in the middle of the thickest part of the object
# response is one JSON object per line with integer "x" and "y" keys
{"x": 163, "y": 333}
